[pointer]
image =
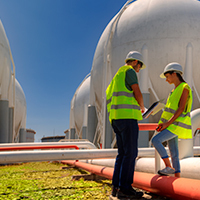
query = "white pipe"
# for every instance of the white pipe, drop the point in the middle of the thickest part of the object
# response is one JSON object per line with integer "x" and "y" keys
{"x": 85, "y": 115}
{"x": 153, "y": 91}
{"x": 47, "y": 155}
{"x": 150, "y": 152}
{"x": 195, "y": 118}
{"x": 189, "y": 166}
{"x": 87, "y": 145}
{"x": 195, "y": 90}
{"x": 142, "y": 152}
{"x": 189, "y": 64}
{"x": 196, "y": 150}
{"x": 35, "y": 156}
{"x": 157, "y": 162}
{"x": 144, "y": 74}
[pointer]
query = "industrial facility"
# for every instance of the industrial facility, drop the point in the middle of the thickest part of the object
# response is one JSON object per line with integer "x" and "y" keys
{"x": 163, "y": 32}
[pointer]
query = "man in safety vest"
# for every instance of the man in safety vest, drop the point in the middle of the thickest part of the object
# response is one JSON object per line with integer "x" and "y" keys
{"x": 125, "y": 106}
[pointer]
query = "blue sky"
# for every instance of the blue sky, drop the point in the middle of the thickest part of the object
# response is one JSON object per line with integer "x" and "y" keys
{"x": 53, "y": 44}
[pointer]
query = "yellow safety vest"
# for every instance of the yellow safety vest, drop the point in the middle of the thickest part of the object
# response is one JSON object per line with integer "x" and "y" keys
{"x": 182, "y": 125}
{"x": 121, "y": 103}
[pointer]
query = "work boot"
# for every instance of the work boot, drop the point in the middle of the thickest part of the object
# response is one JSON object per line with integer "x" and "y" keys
{"x": 131, "y": 194}
{"x": 114, "y": 191}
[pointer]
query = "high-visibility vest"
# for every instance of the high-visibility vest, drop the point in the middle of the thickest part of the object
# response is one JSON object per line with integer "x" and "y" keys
{"x": 121, "y": 103}
{"x": 182, "y": 125}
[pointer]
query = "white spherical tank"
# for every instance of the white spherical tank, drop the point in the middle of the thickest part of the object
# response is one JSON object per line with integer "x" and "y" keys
{"x": 5, "y": 65}
{"x": 20, "y": 108}
{"x": 79, "y": 105}
{"x": 164, "y": 32}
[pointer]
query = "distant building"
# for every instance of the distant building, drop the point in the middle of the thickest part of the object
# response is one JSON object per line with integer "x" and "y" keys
{"x": 30, "y": 135}
{"x": 66, "y": 132}
{"x": 52, "y": 138}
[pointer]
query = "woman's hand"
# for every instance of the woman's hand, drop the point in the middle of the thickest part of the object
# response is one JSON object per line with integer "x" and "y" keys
{"x": 162, "y": 126}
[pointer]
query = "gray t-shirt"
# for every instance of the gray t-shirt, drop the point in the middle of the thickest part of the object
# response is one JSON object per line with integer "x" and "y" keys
{"x": 131, "y": 78}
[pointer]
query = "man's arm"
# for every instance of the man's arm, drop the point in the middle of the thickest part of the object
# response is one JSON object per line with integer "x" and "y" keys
{"x": 138, "y": 96}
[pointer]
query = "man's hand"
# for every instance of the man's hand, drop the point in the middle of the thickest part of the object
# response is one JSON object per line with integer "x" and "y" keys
{"x": 143, "y": 109}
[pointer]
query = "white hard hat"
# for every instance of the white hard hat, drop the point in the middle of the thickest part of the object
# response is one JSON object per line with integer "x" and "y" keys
{"x": 176, "y": 67}
{"x": 135, "y": 55}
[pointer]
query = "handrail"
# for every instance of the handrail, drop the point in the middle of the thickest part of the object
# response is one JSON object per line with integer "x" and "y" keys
{"x": 38, "y": 147}
{"x": 147, "y": 126}
{"x": 150, "y": 126}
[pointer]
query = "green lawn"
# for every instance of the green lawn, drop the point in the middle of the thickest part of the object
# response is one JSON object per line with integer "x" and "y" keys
{"x": 45, "y": 180}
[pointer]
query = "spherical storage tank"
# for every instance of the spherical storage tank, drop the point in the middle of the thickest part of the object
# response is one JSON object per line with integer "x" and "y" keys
{"x": 20, "y": 109}
{"x": 164, "y": 32}
{"x": 6, "y": 100}
{"x": 79, "y": 108}
{"x": 12, "y": 107}
{"x": 5, "y": 65}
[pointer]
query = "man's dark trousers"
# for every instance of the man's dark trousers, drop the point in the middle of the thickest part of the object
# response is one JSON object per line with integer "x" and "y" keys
{"x": 126, "y": 131}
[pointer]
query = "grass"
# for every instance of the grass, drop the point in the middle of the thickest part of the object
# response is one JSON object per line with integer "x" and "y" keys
{"x": 46, "y": 180}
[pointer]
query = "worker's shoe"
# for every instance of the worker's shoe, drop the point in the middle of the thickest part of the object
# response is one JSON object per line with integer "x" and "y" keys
{"x": 166, "y": 171}
{"x": 130, "y": 194}
{"x": 114, "y": 191}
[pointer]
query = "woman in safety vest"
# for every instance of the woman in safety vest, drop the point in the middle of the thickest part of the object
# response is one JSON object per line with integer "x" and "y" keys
{"x": 175, "y": 121}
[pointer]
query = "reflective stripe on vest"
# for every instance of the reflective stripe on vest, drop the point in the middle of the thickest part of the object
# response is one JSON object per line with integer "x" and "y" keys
{"x": 117, "y": 94}
{"x": 173, "y": 112}
{"x": 127, "y": 106}
{"x": 182, "y": 125}
{"x": 121, "y": 103}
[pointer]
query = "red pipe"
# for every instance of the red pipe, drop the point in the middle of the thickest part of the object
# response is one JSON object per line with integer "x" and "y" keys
{"x": 38, "y": 147}
{"x": 176, "y": 188}
{"x": 95, "y": 169}
{"x": 147, "y": 126}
